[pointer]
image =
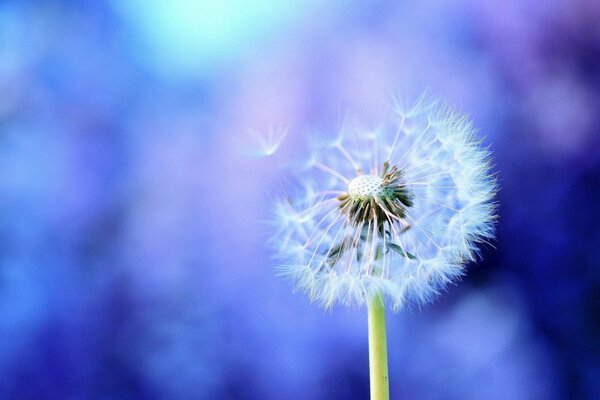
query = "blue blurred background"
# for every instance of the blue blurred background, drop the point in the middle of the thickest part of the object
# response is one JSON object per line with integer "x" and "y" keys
{"x": 132, "y": 257}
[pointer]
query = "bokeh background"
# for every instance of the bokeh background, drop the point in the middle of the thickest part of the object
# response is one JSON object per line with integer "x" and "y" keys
{"x": 133, "y": 262}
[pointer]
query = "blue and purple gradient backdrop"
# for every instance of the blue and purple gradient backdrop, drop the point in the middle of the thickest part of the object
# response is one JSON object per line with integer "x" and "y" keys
{"x": 132, "y": 257}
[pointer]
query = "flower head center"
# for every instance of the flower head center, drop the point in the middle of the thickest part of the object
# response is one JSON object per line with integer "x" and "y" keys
{"x": 376, "y": 199}
{"x": 369, "y": 187}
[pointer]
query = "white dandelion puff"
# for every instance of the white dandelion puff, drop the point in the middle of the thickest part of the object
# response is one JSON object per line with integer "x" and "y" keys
{"x": 395, "y": 211}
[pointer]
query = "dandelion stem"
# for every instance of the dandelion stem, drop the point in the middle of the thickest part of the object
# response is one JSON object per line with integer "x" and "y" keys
{"x": 378, "y": 365}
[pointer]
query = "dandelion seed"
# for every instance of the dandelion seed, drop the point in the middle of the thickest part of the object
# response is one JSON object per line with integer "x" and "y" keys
{"x": 404, "y": 229}
{"x": 259, "y": 145}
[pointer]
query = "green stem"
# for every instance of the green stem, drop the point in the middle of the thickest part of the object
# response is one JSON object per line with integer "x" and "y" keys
{"x": 378, "y": 365}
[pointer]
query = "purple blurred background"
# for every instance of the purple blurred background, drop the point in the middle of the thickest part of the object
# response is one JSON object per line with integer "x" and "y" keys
{"x": 132, "y": 256}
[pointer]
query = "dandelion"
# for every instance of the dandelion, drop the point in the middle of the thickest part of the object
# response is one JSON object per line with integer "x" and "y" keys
{"x": 387, "y": 216}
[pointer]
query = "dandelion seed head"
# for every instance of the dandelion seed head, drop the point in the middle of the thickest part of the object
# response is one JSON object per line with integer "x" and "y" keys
{"x": 397, "y": 209}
